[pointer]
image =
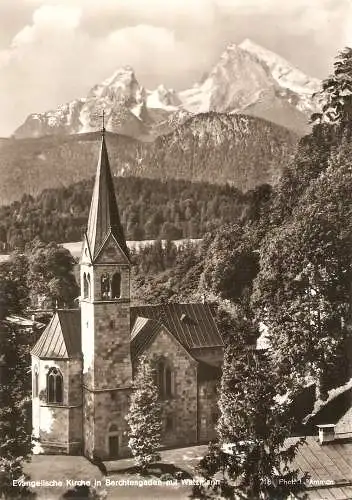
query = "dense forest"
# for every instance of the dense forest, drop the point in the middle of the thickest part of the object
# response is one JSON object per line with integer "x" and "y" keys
{"x": 149, "y": 209}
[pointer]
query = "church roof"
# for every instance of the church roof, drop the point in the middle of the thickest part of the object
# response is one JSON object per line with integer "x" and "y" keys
{"x": 104, "y": 216}
{"x": 144, "y": 329}
{"x": 62, "y": 337}
{"x": 192, "y": 325}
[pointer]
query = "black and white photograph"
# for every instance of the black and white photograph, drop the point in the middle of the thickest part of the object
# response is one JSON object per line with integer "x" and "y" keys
{"x": 176, "y": 249}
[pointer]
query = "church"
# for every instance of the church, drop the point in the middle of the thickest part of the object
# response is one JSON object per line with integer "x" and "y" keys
{"x": 84, "y": 362}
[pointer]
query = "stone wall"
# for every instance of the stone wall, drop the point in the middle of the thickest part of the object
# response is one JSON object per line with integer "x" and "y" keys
{"x": 208, "y": 409}
{"x": 106, "y": 332}
{"x": 101, "y": 411}
{"x": 106, "y": 345}
{"x": 75, "y": 401}
{"x": 181, "y": 408}
{"x": 58, "y": 426}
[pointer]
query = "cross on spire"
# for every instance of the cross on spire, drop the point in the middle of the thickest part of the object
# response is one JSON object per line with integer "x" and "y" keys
{"x": 103, "y": 123}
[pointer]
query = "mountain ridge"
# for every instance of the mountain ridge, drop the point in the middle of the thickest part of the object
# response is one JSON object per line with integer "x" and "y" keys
{"x": 246, "y": 79}
{"x": 241, "y": 150}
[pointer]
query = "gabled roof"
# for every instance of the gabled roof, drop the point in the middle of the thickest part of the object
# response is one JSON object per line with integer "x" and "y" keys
{"x": 144, "y": 329}
{"x": 192, "y": 325}
{"x": 62, "y": 337}
{"x": 104, "y": 215}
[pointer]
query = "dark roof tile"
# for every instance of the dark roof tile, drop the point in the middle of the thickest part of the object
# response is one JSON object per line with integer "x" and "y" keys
{"x": 193, "y": 325}
{"x": 62, "y": 337}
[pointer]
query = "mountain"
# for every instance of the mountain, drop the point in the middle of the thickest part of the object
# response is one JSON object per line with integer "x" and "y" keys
{"x": 241, "y": 150}
{"x": 286, "y": 75}
{"x": 252, "y": 80}
{"x": 247, "y": 79}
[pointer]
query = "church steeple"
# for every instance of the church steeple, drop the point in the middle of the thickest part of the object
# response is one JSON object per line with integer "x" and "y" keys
{"x": 104, "y": 216}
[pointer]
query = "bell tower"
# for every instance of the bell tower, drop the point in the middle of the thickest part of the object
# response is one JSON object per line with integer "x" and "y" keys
{"x": 105, "y": 315}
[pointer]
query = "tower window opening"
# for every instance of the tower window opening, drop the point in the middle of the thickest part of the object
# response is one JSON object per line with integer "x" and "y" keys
{"x": 116, "y": 286}
{"x": 169, "y": 424}
{"x": 85, "y": 286}
{"x": 89, "y": 286}
{"x": 105, "y": 287}
{"x": 54, "y": 386}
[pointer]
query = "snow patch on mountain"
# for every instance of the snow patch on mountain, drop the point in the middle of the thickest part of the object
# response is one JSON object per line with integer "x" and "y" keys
{"x": 163, "y": 98}
{"x": 236, "y": 81}
{"x": 247, "y": 78}
{"x": 285, "y": 74}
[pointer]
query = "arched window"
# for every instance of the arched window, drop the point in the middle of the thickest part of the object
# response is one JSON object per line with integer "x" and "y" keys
{"x": 36, "y": 382}
{"x": 85, "y": 286}
{"x": 54, "y": 384}
{"x": 105, "y": 287}
{"x": 164, "y": 380}
{"x": 116, "y": 286}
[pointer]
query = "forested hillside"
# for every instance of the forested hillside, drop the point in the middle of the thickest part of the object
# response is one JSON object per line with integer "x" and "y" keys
{"x": 240, "y": 150}
{"x": 149, "y": 209}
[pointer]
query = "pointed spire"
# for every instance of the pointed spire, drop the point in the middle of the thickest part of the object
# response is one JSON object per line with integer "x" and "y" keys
{"x": 104, "y": 216}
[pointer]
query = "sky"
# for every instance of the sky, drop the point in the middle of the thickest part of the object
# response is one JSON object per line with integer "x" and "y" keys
{"x": 53, "y": 51}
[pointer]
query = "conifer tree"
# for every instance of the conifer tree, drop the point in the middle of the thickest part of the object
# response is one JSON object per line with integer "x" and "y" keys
{"x": 144, "y": 417}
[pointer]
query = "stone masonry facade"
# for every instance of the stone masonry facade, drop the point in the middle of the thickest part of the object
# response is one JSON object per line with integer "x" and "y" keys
{"x": 58, "y": 426}
{"x": 183, "y": 406}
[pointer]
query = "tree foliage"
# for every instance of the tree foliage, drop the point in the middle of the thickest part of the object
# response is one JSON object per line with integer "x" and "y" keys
{"x": 231, "y": 263}
{"x": 14, "y": 291}
{"x": 149, "y": 209}
{"x": 250, "y": 459}
{"x": 336, "y": 92}
{"x": 302, "y": 292}
{"x": 144, "y": 417}
{"x": 50, "y": 274}
{"x": 15, "y": 420}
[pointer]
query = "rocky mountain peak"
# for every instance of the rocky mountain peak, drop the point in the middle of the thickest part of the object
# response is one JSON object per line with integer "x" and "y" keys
{"x": 285, "y": 73}
{"x": 247, "y": 78}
